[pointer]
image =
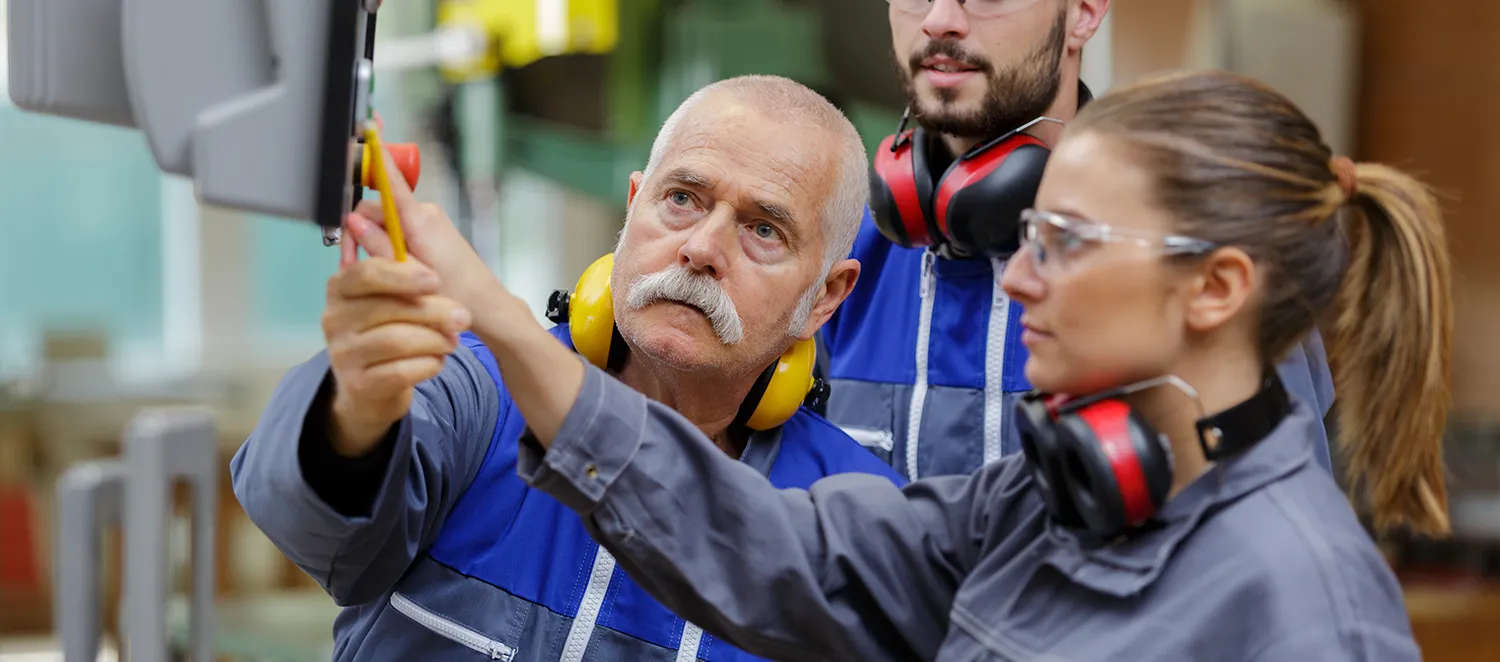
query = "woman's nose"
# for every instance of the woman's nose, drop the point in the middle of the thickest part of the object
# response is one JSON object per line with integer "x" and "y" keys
{"x": 1021, "y": 281}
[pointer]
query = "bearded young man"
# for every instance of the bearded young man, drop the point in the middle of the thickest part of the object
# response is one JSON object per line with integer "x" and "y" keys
{"x": 924, "y": 357}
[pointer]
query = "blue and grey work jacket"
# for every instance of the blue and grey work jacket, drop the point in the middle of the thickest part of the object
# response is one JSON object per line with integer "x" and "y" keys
{"x": 450, "y": 555}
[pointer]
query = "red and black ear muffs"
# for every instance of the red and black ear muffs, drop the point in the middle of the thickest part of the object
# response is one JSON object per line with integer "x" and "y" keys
{"x": 975, "y": 206}
{"x": 1101, "y": 468}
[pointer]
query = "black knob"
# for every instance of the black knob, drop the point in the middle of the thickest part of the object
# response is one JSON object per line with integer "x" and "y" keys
{"x": 557, "y": 307}
{"x": 817, "y": 396}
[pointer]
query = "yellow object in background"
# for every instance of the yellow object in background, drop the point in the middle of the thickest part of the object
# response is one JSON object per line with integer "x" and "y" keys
{"x": 519, "y": 32}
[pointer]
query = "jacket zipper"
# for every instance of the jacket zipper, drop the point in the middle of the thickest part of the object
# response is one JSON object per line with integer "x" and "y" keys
{"x": 452, "y": 631}
{"x": 994, "y": 365}
{"x": 582, "y": 630}
{"x": 919, "y": 388}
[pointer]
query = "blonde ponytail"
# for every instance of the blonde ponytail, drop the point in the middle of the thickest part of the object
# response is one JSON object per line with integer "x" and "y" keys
{"x": 1391, "y": 349}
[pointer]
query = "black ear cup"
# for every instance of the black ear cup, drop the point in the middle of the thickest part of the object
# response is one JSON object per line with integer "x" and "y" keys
{"x": 1117, "y": 470}
{"x": 1045, "y": 456}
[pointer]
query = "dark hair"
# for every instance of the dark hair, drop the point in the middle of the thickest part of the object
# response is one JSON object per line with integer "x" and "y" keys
{"x": 1236, "y": 163}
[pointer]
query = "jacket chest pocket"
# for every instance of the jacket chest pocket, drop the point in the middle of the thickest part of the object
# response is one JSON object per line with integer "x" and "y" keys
{"x": 452, "y": 631}
{"x": 1017, "y": 605}
{"x": 867, "y": 412}
{"x": 437, "y": 613}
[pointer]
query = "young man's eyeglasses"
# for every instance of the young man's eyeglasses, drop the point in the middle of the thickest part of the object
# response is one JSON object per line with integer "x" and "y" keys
{"x": 975, "y": 8}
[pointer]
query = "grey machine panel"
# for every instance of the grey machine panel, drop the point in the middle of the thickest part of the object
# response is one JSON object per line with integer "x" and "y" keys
{"x": 254, "y": 100}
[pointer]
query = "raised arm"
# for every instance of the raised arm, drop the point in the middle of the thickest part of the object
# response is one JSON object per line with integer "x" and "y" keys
{"x": 853, "y": 569}
{"x": 356, "y": 524}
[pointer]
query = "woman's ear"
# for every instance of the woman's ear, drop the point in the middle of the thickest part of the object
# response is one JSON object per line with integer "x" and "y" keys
{"x": 1223, "y": 285}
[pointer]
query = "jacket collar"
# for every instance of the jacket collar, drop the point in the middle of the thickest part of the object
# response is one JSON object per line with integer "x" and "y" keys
{"x": 1129, "y": 564}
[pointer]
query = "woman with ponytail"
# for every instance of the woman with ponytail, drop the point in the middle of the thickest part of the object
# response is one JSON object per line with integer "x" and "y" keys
{"x": 1190, "y": 230}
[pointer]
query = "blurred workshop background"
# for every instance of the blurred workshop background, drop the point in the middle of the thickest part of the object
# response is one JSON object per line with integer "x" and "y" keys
{"x": 119, "y": 291}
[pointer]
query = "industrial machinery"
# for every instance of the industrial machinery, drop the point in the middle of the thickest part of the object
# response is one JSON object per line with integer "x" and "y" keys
{"x": 262, "y": 104}
{"x": 133, "y": 493}
{"x": 259, "y": 103}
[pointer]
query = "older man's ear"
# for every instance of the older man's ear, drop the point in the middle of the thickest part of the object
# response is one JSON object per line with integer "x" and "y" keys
{"x": 635, "y": 184}
{"x": 836, "y": 288}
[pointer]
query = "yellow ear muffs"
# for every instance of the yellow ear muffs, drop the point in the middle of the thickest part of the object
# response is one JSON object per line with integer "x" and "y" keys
{"x": 590, "y": 315}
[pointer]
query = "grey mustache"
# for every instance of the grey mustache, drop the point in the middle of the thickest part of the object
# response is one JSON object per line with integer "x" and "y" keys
{"x": 679, "y": 284}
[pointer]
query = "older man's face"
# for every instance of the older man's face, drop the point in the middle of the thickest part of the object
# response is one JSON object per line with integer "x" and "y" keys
{"x": 724, "y": 240}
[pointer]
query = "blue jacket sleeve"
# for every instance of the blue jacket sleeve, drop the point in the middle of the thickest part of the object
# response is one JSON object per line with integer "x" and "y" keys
{"x": 852, "y": 569}
{"x": 437, "y": 449}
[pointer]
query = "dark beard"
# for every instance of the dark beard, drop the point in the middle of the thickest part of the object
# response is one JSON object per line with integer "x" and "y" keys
{"x": 1016, "y": 95}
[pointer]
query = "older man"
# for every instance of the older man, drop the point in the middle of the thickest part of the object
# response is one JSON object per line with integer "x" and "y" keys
{"x": 925, "y": 356}
{"x": 386, "y": 466}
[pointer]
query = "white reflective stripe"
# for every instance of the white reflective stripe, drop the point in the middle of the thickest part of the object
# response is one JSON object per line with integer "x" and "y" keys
{"x": 872, "y": 438}
{"x": 919, "y": 389}
{"x": 692, "y": 636}
{"x": 994, "y": 365}
{"x": 451, "y": 631}
{"x": 588, "y": 610}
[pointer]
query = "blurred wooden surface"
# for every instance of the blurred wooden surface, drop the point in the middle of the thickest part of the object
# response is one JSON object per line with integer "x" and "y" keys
{"x": 1456, "y": 624}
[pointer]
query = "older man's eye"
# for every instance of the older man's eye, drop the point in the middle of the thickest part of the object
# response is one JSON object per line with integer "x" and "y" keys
{"x": 680, "y": 198}
{"x": 766, "y": 231}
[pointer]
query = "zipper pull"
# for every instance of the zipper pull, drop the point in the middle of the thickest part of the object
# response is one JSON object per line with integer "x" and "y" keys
{"x": 998, "y": 266}
{"x": 929, "y": 259}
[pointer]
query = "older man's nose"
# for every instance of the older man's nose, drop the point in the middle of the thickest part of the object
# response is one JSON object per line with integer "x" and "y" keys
{"x": 706, "y": 248}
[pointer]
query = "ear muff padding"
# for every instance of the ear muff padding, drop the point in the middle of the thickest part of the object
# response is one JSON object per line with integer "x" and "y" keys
{"x": 979, "y": 201}
{"x": 591, "y": 324}
{"x": 1116, "y": 470}
{"x": 1045, "y": 456}
{"x": 787, "y": 384}
{"x": 901, "y": 190}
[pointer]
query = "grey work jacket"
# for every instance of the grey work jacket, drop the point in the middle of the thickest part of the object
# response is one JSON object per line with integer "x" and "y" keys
{"x": 1261, "y": 559}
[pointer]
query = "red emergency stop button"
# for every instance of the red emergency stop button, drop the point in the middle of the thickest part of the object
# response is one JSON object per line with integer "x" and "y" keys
{"x": 408, "y": 160}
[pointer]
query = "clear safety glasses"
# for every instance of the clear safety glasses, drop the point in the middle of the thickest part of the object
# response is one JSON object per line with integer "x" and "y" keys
{"x": 975, "y": 8}
{"x": 1058, "y": 242}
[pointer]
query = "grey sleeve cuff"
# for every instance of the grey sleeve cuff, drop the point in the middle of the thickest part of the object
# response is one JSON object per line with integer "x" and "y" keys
{"x": 596, "y": 443}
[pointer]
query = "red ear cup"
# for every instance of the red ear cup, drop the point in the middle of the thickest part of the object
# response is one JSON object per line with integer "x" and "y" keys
{"x": 897, "y": 202}
{"x": 979, "y": 199}
{"x": 1117, "y": 470}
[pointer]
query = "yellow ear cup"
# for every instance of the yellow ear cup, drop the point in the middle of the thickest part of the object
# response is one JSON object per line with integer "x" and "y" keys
{"x": 591, "y": 312}
{"x": 791, "y": 379}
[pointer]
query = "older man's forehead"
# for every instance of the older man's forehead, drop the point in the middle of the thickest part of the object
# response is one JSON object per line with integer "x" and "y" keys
{"x": 788, "y": 154}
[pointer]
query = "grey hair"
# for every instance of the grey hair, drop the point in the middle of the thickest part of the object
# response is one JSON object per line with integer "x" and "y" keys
{"x": 790, "y": 101}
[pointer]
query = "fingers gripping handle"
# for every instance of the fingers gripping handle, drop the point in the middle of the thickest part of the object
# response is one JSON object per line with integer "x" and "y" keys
{"x": 160, "y": 446}
{"x": 88, "y": 501}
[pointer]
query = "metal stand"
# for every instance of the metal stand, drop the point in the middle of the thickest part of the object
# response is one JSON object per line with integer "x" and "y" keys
{"x": 134, "y": 492}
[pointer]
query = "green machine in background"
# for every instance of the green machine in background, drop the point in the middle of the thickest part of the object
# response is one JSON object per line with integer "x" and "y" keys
{"x": 664, "y": 50}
